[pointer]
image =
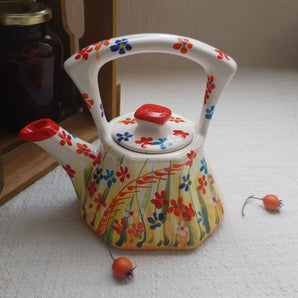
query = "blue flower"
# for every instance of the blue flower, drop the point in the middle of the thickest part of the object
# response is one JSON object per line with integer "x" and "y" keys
{"x": 120, "y": 46}
{"x": 125, "y": 137}
{"x": 203, "y": 217}
{"x": 102, "y": 113}
{"x": 163, "y": 142}
{"x": 156, "y": 220}
{"x": 203, "y": 168}
{"x": 109, "y": 177}
{"x": 186, "y": 183}
{"x": 98, "y": 175}
{"x": 209, "y": 112}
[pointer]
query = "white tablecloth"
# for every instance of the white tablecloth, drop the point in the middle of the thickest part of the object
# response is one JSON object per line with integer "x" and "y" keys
{"x": 47, "y": 251}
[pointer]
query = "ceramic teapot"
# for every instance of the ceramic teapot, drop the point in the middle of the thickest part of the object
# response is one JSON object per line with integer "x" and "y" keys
{"x": 147, "y": 185}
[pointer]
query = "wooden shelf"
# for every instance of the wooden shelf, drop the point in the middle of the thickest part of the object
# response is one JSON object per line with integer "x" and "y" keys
{"x": 24, "y": 163}
{"x": 27, "y": 163}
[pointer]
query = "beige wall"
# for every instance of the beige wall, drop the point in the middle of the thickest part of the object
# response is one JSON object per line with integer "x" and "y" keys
{"x": 253, "y": 32}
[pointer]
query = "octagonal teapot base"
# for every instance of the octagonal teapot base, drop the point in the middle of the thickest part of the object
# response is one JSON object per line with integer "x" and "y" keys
{"x": 160, "y": 205}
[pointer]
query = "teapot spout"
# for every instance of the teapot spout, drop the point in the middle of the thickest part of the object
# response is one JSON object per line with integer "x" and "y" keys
{"x": 74, "y": 154}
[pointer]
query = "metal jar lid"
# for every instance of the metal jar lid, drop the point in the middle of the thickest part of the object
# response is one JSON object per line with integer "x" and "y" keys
{"x": 23, "y": 13}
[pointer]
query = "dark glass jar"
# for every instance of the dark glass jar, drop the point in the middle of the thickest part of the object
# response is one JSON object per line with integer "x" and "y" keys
{"x": 30, "y": 65}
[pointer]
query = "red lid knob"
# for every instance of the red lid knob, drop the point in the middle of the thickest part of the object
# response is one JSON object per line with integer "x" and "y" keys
{"x": 153, "y": 113}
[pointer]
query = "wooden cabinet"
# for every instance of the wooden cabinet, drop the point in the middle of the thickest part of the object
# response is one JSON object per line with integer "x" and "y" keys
{"x": 24, "y": 163}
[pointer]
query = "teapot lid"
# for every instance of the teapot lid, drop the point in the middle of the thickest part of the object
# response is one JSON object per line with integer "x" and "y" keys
{"x": 152, "y": 129}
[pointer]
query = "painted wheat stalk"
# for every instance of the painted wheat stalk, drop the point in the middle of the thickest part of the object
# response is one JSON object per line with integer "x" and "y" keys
{"x": 134, "y": 186}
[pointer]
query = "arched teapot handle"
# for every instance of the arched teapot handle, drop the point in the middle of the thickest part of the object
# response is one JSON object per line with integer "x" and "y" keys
{"x": 83, "y": 68}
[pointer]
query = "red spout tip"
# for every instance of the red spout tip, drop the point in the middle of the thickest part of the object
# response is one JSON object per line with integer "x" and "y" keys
{"x": 39, "y": 130}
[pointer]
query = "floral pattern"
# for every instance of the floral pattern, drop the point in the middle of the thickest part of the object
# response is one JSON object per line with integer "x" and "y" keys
{"x": 127, "y": 121}
{"x": 83, "y": 149}
{"x": 176, "y": 206}
{"x": 70, "y": 172}
{"x": 145, "y": 141}
{"x": 182, "y": 229}
{"x": 160, "y": 200}
{"x": 109, "y": 177}
{"x": 136, "y": 203}
{"x": 130, "y": 213}
{"x": 186, "y": 183}
{"x": 163, "y": 143}
{"x": 210, "y": 86}
{"x": 84, "y": 53}
{"x": 123, "y": 173}
{"x": 124, "y": 137}
{"x": 89, "y": 102}
{"x": 202, "y": 217}
{"x": 180, "y": 133}
{"x": 121, "y": 46}
{"x": 97, "y": 160}
{"x": 150, "y": 211}
{"x": 91, "y": 188}
{"x": 99, "y": 44}
{"x": 222, "y": 55}
{"x": 176, "y": 119}
{"x": 209, "y": 112}
{"x": 191, "y": 156}
{"x": 66, "y": 138}
{"x": 188, "y": 212}
{"x": 100, "y": 200}
{"x": 202, "y": 184}
{"x": 136, "y": 229}
{"x": 102, "y": 112}
{"x": 213, "y": 200}
{"x": 120, "y": 227}
{"x": 98, "y": 175}
{"x": 183, "y": 45}
{"x": 203, "y": 168}
{"x": 156, "y": 220}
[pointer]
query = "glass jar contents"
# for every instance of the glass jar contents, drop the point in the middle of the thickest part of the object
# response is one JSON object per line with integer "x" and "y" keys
{"x": 30, "y": 65}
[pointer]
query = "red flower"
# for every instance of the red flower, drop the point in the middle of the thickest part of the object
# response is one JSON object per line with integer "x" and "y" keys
{"x": 177, "y": 206}
{"x": 69, "y": 171}
{"x": 136, "y": 229}
{"x": 202, "y": 184}
{"x": 222, "y": 55}
{"x": 191, "y": 156}
{"x": 160, "y": 200}
{"x": 188, "y": 213}
{"x": 83, "y": 53}
{"x": 128, "y": 121}
{"x": 99, "y": 44}
{"x": 92, "y": 188}
{"x": 180, "y": 133}
{"x": 212, "y": 179}
{"x": 83, "y": 149}
{"x": 210, "y": 86}
{"x": 66, "y": 139}
{"x": 183, "y": 45}
{"x": 120, "y": 228}
{"x": 176, "y": 119}
{"x": 100, "y": 200}
{"x": 144, "y": 141}
{"x": 90, "y": 206}
{"x": 97, "y": 161}
{"x": 123, "y": 174}
{"x": 89, "y": 102}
